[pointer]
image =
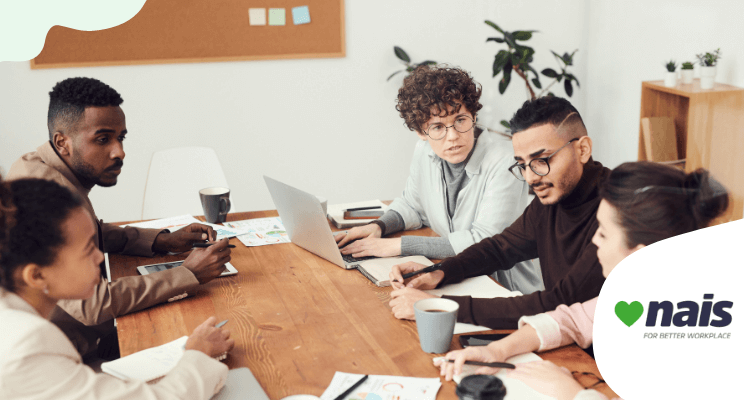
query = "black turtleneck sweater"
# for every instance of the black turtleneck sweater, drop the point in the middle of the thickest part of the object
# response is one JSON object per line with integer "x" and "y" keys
{"x": 560, "y": 235}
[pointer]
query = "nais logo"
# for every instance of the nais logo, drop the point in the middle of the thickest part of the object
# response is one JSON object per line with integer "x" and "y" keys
{"x": 687, "y": 314}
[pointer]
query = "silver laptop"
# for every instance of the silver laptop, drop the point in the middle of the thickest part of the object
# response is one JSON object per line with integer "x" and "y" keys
{"x": 306, "y": 224}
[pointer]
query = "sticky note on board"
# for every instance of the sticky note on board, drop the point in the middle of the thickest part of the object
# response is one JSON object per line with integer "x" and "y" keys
{"x": 277, "y": 16}
{"x": 257, "y": 16}
{"x": 301, "y": 15}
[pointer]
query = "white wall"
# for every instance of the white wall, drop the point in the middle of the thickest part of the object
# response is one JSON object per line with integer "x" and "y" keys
{"x": 631, "y": 40}
{"x": 325, "y": 125}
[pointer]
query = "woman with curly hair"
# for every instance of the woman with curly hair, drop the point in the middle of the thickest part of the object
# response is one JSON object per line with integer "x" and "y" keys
{"x": 459, "y": 184}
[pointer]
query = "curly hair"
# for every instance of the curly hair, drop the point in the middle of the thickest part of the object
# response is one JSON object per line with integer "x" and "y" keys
{"x": 427, "y": 92}
{"x": 69, "y": 98}
{"x": 31, "y": 215}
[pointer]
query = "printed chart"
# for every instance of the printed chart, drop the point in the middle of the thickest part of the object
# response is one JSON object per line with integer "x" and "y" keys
{"x": 260, "y": 231}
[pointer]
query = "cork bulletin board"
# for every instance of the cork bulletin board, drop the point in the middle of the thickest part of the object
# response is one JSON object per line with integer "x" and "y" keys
{"x": 184, "y": 31}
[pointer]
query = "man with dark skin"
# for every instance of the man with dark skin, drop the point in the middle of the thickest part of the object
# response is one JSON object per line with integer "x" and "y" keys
{"x": 87, "y": 128}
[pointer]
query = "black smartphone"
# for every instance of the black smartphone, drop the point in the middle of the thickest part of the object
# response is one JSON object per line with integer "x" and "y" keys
{"x": 480, "y": 340}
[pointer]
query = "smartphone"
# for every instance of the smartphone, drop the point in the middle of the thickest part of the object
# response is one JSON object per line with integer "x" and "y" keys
{"x": 480, "y": 340}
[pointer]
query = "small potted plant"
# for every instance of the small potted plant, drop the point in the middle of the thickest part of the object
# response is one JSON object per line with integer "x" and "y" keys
{"x": 687, "y": 72}
{"x": 708, "y": 62}
{"x": 671, "y": 76}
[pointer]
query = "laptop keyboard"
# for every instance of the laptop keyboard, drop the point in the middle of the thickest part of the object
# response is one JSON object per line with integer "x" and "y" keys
{"x": 349, "y": 259}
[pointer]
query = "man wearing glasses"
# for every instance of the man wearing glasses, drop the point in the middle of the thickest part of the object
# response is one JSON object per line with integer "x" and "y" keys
{"x": 459, "y": 183}
{"x": 553, "y": 156}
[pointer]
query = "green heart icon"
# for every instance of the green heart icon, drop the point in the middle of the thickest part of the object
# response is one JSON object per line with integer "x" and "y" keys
{"x": 628, "y": 313}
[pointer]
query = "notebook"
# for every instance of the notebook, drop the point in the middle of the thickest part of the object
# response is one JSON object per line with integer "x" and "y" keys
{"x": 479, "y": 287}
{"x": 378, "y": 270}
{"x": 336, "y": 213}
{"x": 148, "y": 364}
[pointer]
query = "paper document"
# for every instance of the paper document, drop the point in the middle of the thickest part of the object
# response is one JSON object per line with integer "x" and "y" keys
{"x": 336, "y": 213}
{"x": 148, "y": 364}
{"x": 383, "y": 387}
{"x": 175, "y": 223}
{"x": 515, "y": 389}
{"x": 260, "y": 231}
{"x": 479, "y": 287}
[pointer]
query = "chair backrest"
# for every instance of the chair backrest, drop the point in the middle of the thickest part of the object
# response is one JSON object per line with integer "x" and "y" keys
{"x": 175, "y": 178}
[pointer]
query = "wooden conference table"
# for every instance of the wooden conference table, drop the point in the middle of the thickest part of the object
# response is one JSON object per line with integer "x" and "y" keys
{"x": 297, "y": 319}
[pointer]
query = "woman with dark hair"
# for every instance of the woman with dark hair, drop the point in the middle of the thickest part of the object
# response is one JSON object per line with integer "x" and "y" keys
{"x": 48, "y": 253}
{"x": 642, "y": 203}
{"x": 459, "y": 184}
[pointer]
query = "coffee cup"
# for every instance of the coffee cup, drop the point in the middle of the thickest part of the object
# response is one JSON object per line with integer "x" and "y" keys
{"x": 435, "y": 321}
{"x": 215, "y": 203}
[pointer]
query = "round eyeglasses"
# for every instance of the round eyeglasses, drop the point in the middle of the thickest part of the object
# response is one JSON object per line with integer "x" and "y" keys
{"x": 438, "y": 131}
{"x": 539, "y": 166}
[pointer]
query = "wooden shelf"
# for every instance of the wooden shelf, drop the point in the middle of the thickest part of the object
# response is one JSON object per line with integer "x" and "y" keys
{"x": 709, "y": 126}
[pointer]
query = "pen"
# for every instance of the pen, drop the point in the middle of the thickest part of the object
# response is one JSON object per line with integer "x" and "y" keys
{"x": 431, "y": 268}
{"x": 201, "y": 245}
{"x": 485, "y": 364}
{"x": 362, "y": 208}
{"x": 354, "y": 386}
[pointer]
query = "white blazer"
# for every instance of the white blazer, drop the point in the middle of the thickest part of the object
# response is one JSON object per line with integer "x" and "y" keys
{"x": 37, "y": 361}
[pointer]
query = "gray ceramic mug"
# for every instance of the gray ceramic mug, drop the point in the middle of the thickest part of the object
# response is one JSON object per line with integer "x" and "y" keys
{"x": 215, "y": 203}
{"x": 435, "y": 321}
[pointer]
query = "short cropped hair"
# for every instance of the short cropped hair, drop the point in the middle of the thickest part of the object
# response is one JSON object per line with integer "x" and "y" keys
{"x": 427, "y": 92}
{"x": 69, "y": 98}
{"x": 552, "y": 110}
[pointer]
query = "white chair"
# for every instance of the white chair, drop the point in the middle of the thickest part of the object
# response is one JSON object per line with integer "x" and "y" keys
{"x": 175, "y": 178}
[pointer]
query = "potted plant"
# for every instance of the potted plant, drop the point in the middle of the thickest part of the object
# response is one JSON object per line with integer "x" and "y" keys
{"x": 687, "y": 72}
{"x": 410, "y": 66}
{"x": 517, "y": 58}
{"x": 671, "y": 76}
{"x": 708, "y": 62}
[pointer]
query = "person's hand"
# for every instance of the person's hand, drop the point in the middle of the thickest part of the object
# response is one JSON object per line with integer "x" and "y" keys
{"x": 210, "y": 340}
{"x": 422, "y": 281}
{"x": 403, "y": 300}
{"x": 208, "y": 263}
{"x": 358, "y": 232}
{"x": 547, "y": 378}
{"x": 490, "y": 353}
{"x": 372, "y": 246}
{"x": 182, "y": 239}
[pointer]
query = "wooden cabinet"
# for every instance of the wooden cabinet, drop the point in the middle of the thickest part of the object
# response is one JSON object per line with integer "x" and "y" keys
{"x": 709, "y": 124}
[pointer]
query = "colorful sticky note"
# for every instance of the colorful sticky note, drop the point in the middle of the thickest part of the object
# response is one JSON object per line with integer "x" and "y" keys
{"x": 301, "y": 15}
{"x": 257, "y": 16}
{"x": 277, "y": 16}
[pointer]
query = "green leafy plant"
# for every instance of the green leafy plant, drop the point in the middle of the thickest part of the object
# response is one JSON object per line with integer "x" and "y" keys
{"x": 709, "y": 59}
{"x": 517, "y": 58}
{"x": 687, "y": 65}
{"x": 410, "y": 67}
{"x": 671, "y": 66}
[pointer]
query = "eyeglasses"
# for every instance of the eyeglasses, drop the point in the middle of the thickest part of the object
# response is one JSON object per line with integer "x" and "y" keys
{"x": 438, "y": 131}
{"x": 598, "y": 381}
{"x": 539, "y": 166}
